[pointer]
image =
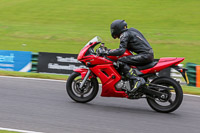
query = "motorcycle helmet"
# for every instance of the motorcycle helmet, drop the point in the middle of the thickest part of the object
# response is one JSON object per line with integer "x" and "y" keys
{"x": 117, "y": 27}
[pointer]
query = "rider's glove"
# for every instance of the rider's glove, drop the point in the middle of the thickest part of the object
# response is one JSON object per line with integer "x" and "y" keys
{"x": 103, "y": 51}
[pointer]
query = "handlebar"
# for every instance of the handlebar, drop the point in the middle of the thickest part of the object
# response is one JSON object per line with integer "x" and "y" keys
{"x": 101, "y": 49}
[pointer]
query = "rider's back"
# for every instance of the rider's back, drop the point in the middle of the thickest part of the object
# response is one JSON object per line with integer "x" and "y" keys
{"x": 137, "y": 42}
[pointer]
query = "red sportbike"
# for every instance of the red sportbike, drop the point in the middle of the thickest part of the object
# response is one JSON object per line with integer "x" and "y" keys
{"x": 163, "y": 94}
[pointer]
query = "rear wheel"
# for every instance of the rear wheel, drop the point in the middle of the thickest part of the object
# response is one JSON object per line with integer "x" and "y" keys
{"x": 173, "y": 97}
{"x": 89, "y": 91}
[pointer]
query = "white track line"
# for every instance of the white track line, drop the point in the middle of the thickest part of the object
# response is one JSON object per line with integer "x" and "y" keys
{"x": 191, "y": 95}
{"x": 17, "y": 130}
{"x": 40, "y": 79}
{"x": 32, "y": 78}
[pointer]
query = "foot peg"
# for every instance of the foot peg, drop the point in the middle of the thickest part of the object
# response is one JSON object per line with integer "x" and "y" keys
{"x": 138, "y": 83}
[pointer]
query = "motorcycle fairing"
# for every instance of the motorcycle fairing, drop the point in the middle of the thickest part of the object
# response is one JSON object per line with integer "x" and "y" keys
{"x": 109, "y": 77}
{"x": 162, "y": 64}
{"x": 82, "y": 71}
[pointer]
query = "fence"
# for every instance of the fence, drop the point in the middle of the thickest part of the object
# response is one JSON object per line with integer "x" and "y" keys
{"x": 34, "y": 62}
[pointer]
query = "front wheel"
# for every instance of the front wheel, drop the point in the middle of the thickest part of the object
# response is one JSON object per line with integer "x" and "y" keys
{"x": 173, "y": 99}
{"x": 89, "y": 91}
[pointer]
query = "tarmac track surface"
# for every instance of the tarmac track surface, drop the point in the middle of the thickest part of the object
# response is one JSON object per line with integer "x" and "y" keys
{"x": 43, "y": 106}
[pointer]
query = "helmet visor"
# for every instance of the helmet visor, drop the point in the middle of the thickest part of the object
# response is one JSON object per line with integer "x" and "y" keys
{"x": 112, "y": 32}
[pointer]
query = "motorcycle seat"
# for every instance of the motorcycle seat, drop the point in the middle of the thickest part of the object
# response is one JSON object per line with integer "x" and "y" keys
{"x": 150, "y": 65}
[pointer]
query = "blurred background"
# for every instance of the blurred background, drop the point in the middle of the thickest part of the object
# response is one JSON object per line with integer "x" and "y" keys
{"x": 65, "y": 26}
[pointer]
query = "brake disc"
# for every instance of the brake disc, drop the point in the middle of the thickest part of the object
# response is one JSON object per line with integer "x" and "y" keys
{"x": 86, "y": 87}
{"x": 166, "y": 96}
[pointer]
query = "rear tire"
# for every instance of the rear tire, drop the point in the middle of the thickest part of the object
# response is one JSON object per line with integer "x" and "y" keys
{"x": 171, "y": 105}
{"x": 90, "y": 91}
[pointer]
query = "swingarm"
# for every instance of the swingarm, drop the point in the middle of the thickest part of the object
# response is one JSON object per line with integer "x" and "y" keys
{"x": 156, "y": 91}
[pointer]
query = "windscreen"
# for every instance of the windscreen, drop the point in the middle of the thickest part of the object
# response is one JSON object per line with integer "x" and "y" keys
{"x": 95, "y": 39}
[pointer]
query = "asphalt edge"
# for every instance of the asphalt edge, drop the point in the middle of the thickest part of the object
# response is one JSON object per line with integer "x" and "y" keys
{"x": 17, "y": 130}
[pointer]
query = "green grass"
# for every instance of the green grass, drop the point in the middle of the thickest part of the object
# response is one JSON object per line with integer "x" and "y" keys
{"x": 191, "y": 90}
{"x": 3, "y": 131}
{"x": 33, "y": 75}
{"x": 64, "y": 26}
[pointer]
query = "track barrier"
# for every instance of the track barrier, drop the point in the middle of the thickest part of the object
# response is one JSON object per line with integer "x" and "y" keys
{"x": 198, "y": 76}
{"x": 59, "y": 63}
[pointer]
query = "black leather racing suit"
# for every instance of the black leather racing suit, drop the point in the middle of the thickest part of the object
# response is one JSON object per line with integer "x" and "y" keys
{"x": 134, "y": 41}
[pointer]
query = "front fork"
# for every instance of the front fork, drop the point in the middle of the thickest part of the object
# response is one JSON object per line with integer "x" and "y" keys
{"x": 84, "y": 79}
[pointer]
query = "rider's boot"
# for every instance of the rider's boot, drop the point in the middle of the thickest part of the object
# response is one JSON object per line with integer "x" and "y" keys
{"x": 138, "y": 81}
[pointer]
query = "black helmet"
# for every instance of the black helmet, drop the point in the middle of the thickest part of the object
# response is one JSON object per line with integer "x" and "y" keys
{"x": 117, "y": 27}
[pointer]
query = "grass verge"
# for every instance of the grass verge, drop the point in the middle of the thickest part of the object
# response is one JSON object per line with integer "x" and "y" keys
{"x": 3, "y": 131}
{"x": 33, "y": 75}
{"x": 191, "y": 90}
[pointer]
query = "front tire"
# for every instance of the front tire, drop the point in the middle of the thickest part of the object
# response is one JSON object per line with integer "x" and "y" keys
{"x": 175, "y": 96}
{"x": 89, "y": 92}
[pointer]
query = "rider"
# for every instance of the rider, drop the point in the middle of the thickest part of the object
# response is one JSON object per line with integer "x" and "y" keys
{"x": 134, "y": 41}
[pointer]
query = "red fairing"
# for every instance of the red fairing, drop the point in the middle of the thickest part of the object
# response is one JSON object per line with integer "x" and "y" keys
{"x": 104, "y": 69}
{"x": 82, "y": 71}
{"x": 162, "y": 64}
{"x": 83, "y": 51}
{"x": 109, "y": 77}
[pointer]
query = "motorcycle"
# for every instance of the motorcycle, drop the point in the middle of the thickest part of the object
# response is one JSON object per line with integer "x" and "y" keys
{"x": 163, "y": 94}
